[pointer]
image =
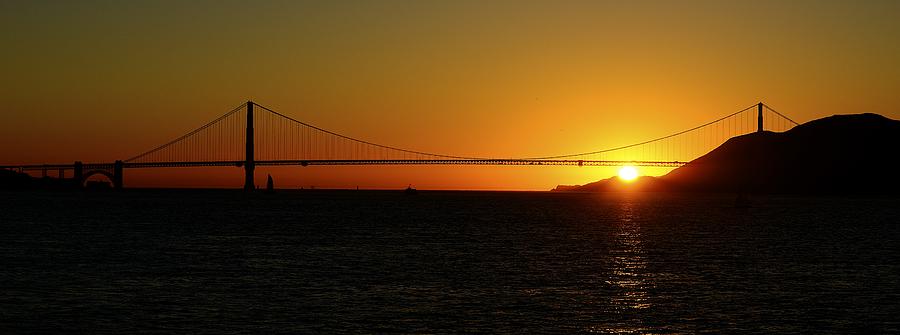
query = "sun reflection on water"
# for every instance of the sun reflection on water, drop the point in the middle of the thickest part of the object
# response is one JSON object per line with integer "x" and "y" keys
{"x": 629, "y": 273}
{"x": 628, "y": 277}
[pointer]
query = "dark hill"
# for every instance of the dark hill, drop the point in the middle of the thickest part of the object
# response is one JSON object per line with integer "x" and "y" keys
{"x": 614, "y": 184}
{"x": 11, "y": 180}
{"x": 841, "y": 154}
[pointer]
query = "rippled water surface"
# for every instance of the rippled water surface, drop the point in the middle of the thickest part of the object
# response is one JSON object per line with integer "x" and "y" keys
{"x": 221, "y": 262}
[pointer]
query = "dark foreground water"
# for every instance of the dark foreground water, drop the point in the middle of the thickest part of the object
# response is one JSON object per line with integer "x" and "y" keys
{"x": 220, "y": 262}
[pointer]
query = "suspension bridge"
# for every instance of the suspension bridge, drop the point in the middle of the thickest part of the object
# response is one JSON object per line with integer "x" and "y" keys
{"x": 252, "y": 135}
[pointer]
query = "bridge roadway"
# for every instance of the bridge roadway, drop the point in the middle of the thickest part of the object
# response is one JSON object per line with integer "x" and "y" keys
{"x": 307, "y": 162}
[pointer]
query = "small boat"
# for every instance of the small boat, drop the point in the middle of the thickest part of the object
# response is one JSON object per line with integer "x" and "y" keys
{"x": 410, "y": 190}
{"x": 270, "y": 185}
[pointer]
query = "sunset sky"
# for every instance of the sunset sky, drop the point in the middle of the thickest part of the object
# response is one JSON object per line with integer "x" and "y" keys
{"x": 105, "y": 80}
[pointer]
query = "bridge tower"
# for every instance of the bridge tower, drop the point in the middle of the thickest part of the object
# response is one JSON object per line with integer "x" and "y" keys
{"x": 249, "y": 164}
{"x": 759, "y": 120}
{"x": 118, "y": 168}
{"x": 78, "y": 173}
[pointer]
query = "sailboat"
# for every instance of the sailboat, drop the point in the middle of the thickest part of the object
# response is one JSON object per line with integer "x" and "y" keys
{"x": 270, "y": 185}
{"x": 410, "y": 190}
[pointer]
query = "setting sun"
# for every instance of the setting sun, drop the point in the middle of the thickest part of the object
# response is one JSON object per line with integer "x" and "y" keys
{"x": 628, "y": 173}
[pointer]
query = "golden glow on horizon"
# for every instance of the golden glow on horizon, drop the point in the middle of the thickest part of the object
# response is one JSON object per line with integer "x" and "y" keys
{"x": 628, "y": 173}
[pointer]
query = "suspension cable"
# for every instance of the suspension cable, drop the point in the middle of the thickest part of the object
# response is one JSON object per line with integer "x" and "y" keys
{"x": 781, "y": 115}
{"x": 367, "y": 142}
{"x": 363, "y": 142}
{"x": 645, "y": 142}
{"x": 188, "y": 134}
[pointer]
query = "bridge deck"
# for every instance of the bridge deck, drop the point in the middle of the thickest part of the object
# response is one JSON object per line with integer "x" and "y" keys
{"x": 556, "y": 162}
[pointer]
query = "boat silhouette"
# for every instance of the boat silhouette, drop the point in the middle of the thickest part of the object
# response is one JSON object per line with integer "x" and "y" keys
{"x": 410, "y": 190}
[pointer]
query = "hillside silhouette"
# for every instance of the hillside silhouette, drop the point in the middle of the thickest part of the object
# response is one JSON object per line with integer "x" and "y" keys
{"x": 615, "y": 184}
{"x": 12, "y": 180}
{"x": 841, "y": 154}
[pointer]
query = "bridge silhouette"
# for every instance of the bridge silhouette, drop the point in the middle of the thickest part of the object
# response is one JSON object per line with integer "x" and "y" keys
{"x": 252, "y": 135}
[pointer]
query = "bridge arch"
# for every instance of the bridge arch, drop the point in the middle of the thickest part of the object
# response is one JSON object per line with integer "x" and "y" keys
{"x": 108, "y": 174}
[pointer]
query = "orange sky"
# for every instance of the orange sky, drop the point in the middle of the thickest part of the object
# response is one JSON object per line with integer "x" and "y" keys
{"x": 99, "y": 81}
